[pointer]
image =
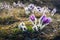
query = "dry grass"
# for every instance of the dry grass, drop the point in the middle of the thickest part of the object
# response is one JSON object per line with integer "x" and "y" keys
{"x": 18, "y": 14}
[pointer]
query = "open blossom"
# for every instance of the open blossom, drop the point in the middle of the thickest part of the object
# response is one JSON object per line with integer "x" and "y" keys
{"x": 29, "y": 9}
{"x": 27, "y": 12}
{"x": 53, "y": 11}
{"x": 38, "y": 8}
{"x": 45, "y": 19}
{"x": 32, "y": 17}
{"x": 22, "y": 26}
{"x": 31, "y": 6}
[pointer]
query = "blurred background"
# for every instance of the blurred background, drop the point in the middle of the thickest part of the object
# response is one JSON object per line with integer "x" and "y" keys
{"x": 49, "y": 3}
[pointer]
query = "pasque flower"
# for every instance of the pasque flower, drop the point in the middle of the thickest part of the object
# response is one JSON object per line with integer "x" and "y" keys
{"x": 45, "y": 19}
{"x": 32, "y": 17}
{"x": 53, "y": 11}
{"x": 22, "y": 26}
{"x": 29, "y": 9}
{"x": 31, "y": 6}
{"x": 38, "y": 8}
{"x": 27, "y": 12}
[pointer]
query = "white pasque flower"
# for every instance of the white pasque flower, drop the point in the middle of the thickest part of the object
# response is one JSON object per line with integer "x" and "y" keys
{"x": 27, "y": 12}
{"x": 31, "y": 6}
{"x": 53, "y": 11}
{"x": 29, "y": 9}
{"x": 38, "y": 9}
{"x": 42, "y": 10}
{"x": 22, "y": 26}
{"x": 20, "y": 4}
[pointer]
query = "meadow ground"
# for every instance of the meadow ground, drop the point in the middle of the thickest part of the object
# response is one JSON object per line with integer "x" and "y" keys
{"x": 9, "y": 21}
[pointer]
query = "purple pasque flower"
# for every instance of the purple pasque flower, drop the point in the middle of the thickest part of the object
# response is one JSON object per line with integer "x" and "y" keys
{"x": 32, "y": 17}
{"x": 31, "y": 6}
{"x": 45, "y": 20}
{"x": 38, "y": 8}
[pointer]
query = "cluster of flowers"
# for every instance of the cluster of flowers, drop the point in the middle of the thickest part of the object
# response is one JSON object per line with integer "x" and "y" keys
{"x": 5, "y": 5}
{"x": 32, "y": 8}
{"x": 37, "y": 24}
{"x": 18, "y": 4}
